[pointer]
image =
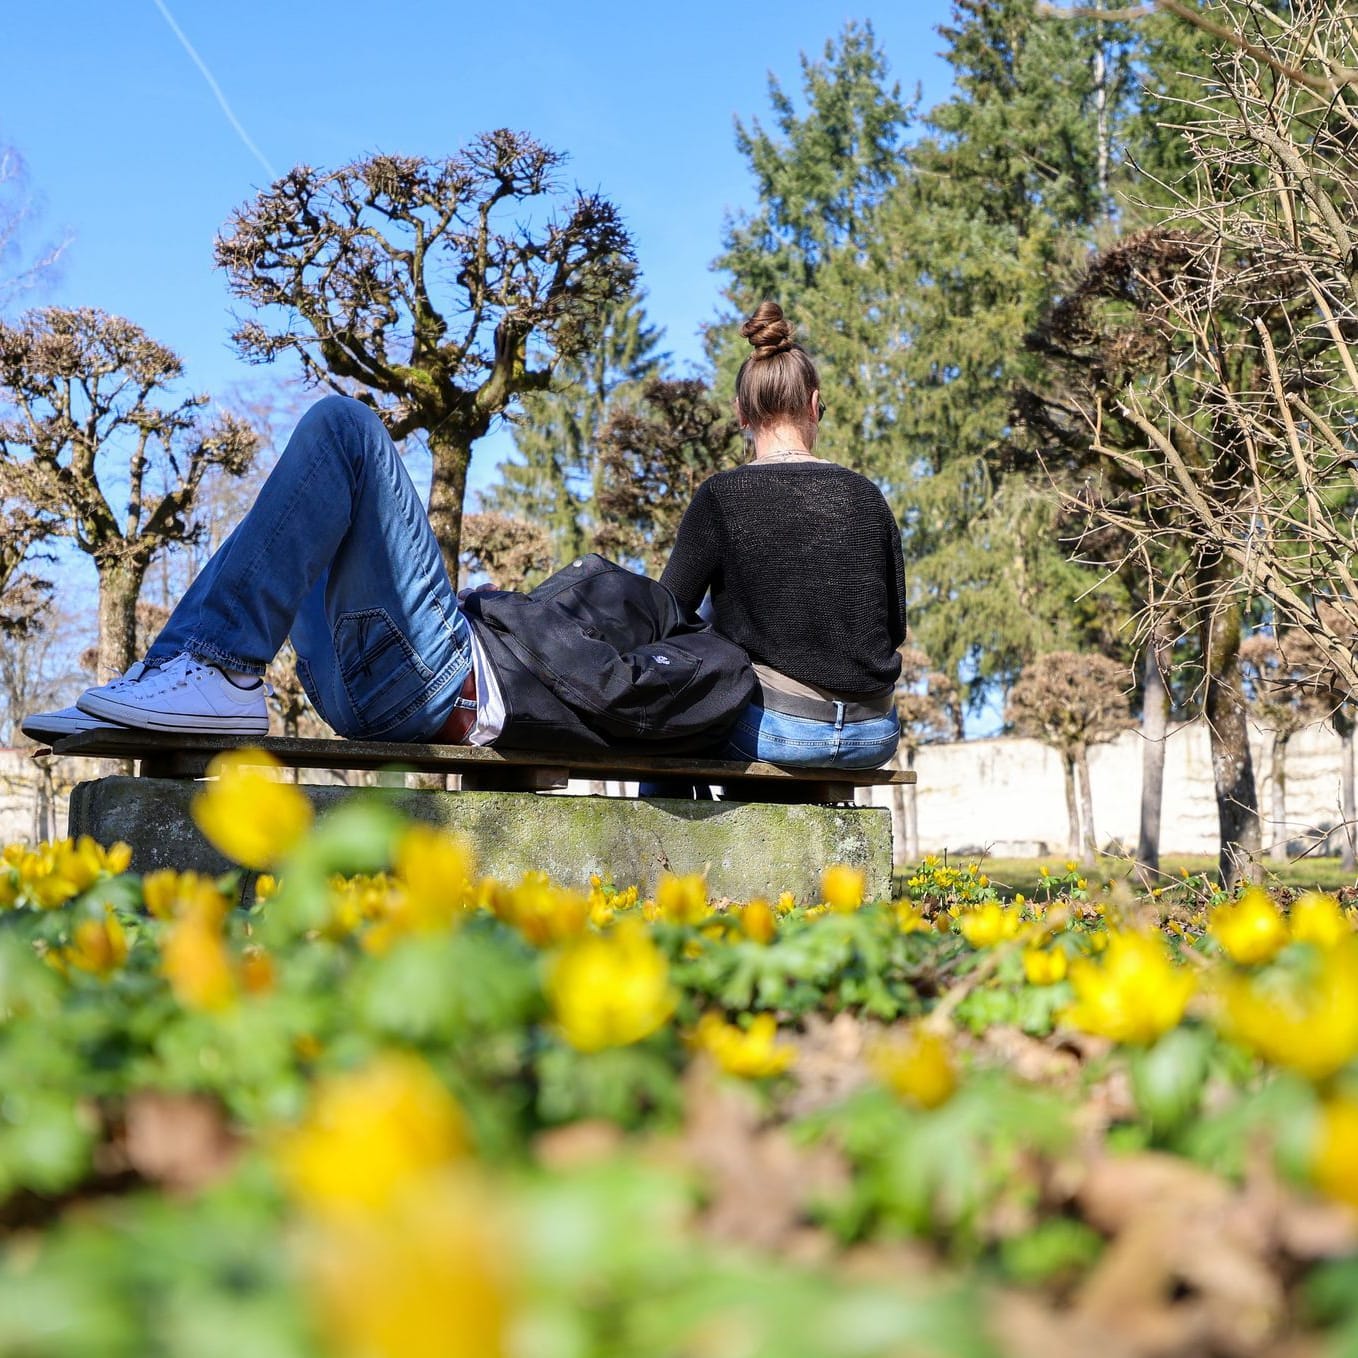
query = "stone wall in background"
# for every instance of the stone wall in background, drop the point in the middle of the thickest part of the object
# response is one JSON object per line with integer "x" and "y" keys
{"x": 1005, "y": 796}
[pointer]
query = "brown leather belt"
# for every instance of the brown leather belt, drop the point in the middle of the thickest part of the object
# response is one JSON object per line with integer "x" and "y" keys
{"x": 462, "y": 718}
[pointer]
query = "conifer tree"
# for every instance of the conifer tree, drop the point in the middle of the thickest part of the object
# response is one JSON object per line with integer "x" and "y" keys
{"x": 555, "y": 480}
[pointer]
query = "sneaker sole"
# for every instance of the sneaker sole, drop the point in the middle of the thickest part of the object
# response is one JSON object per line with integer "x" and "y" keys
{"x": 111, "y": 710}
{"x": 60, "y": 732}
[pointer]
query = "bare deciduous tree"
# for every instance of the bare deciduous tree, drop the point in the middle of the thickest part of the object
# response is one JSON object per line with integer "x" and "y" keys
{"x": 1070, "y": 702}
{"x": 1233, "y": 397}
{"x": 1282, "y": 700}
{"x": 509, "y": 551}
{"x": 928, "y": 704}
{"x": 428, "y": 289}
{"x": 21, "y": 269}
{"x": 652, "y": 458}
{"x": 84, "y": 393}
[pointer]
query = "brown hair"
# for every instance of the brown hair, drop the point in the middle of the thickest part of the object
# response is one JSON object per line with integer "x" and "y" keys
{"x": 776, "y": 381}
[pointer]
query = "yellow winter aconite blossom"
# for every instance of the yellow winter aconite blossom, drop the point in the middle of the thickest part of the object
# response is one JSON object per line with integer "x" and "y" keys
{"x": 53, "y": 873}
{"x": 610, "y": 990}
{"x": 1252, "y": 930}
{"x": 197, "y": 964}
{"x": 910, "y": 921}
{"x": 436, "y": 869}
{"x": 426, "y": 1278}
{"x": 168, "y": 894}
{"x": 786, "y": 903}
{"x": 759, "y": 921}
{"x": 1316, "y": 918}
{"x": 989, "y": 924}
{"x": 1304, "y": 1018}
{"x": 1133, "y": 993}
{"x": 753, "y": 1053}
{"x": 370, "y": 1135}
{"x": 842, "y": 887}
{"x": 917, "y": 1066}
{"x": 98, "y": 946}
{"x": 545, "y": 914}
{"x": 250, "y": 817}
{"x": 1044, "y": 967}
{"x": 1334, "y": 1162}
{"x": 682, "y": 900}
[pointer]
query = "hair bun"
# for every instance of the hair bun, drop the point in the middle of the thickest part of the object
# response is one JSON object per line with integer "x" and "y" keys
{"x": 768, "y": 331}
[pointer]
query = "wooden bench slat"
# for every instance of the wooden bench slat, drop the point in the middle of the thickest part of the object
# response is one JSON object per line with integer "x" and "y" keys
{"x": 183, "y": 754}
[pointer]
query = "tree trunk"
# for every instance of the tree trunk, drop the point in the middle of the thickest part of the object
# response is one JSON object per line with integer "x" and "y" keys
{"x": 1089, "y": 849}
{"x": 1344, "y": 725}
{"x": 1072, "y": 808}
{"x": 1154, "y": 733}
{"x": 1277, "y": 760}
{"x": 1228, "y": 731}
{"x": 450, "y": 453}
{"x": 119, "y": 586}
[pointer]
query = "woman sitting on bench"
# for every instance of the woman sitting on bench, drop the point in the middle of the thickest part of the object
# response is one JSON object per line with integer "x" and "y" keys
{"x": 802, "y": 558}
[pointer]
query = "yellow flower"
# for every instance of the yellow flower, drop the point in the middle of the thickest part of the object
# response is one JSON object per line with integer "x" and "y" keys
{"x": 753, "y": 1053}
{"x": 1304, "y": 1018}
{"x": 56, "y": 872}
{"x": 759, "y": 922}
{"x": 543, "y": 913}
{"x": 167, "y": 894}
{"x": 786, "y": 904}
{"x": 1134, "y": 993}
{"x": 436, "y": 870}
{"x": 266, "y": 887}
{"x": 682, "y": 900}
{"x": 916, "y": 1066}
{"x": 1334, "y": 1164}
{"x": 1316, "y": 918}
{"x": 250, "y": 817}
{"x": 257, "y": 972}
{"x": 842, "y": 887}
{"x": 425, "y": 1278}
{"x": 910, "y": 921}
{"x": 610, "y": 990}
{"x": 98, "y": 946}
{"x": 369, "y": 1135}
{"x": 988, "y": 925}
{"x": 1251, "y": 931}
{"x": 195, "y": 960}
{"x": 1044, "y": 967}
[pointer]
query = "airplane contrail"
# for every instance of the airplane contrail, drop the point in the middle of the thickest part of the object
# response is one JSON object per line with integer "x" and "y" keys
{"x": 216, "y": 89}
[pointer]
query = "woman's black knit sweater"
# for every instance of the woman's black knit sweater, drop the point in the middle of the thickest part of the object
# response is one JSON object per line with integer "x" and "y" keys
{"x": 804, "y": 563}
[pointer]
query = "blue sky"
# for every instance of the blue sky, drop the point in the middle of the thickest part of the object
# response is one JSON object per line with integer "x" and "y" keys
{"x": 131, "y": 152}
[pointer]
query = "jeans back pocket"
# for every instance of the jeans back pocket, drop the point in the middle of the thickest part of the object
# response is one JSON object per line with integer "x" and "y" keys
{"x": 383, "y": 676}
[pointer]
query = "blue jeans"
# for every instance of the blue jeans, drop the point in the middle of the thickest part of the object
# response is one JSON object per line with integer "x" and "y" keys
{"x": 803, "y": 742}
{"x": 336, "y": 551}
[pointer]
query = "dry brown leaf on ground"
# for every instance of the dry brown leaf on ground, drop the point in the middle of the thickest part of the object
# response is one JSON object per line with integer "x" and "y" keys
{"x": 1028, "y": 1058}
{"x": 1026, "y": 1325}
{"x": 578, "y": 1144}
{"x": 760, "y": 1184}
{"x": 1189, "y": 1269}
{"x": 831, "y": 1061}
{"x": 179, "y": 1140}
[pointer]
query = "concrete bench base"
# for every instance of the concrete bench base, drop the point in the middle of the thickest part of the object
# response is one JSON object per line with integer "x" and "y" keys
{"x": 748, "y": 849}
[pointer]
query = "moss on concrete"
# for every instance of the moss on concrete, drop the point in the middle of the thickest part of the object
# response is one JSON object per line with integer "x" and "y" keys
{"x": 746, "y": 849}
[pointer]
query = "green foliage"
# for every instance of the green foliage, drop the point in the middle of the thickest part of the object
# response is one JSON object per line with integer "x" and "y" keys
{"x": 556, "y": 477}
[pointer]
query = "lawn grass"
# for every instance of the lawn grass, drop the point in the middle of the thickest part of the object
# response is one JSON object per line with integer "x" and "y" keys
{"x": 1011, "y": 875}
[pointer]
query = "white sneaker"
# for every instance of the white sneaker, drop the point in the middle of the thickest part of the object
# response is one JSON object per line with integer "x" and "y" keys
{"x": 67, "y": 721}
{"x": 183, "y": 694}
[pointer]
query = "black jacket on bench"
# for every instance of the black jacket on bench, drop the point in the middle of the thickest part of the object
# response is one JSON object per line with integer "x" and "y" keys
{"x": 599, "y": 658}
